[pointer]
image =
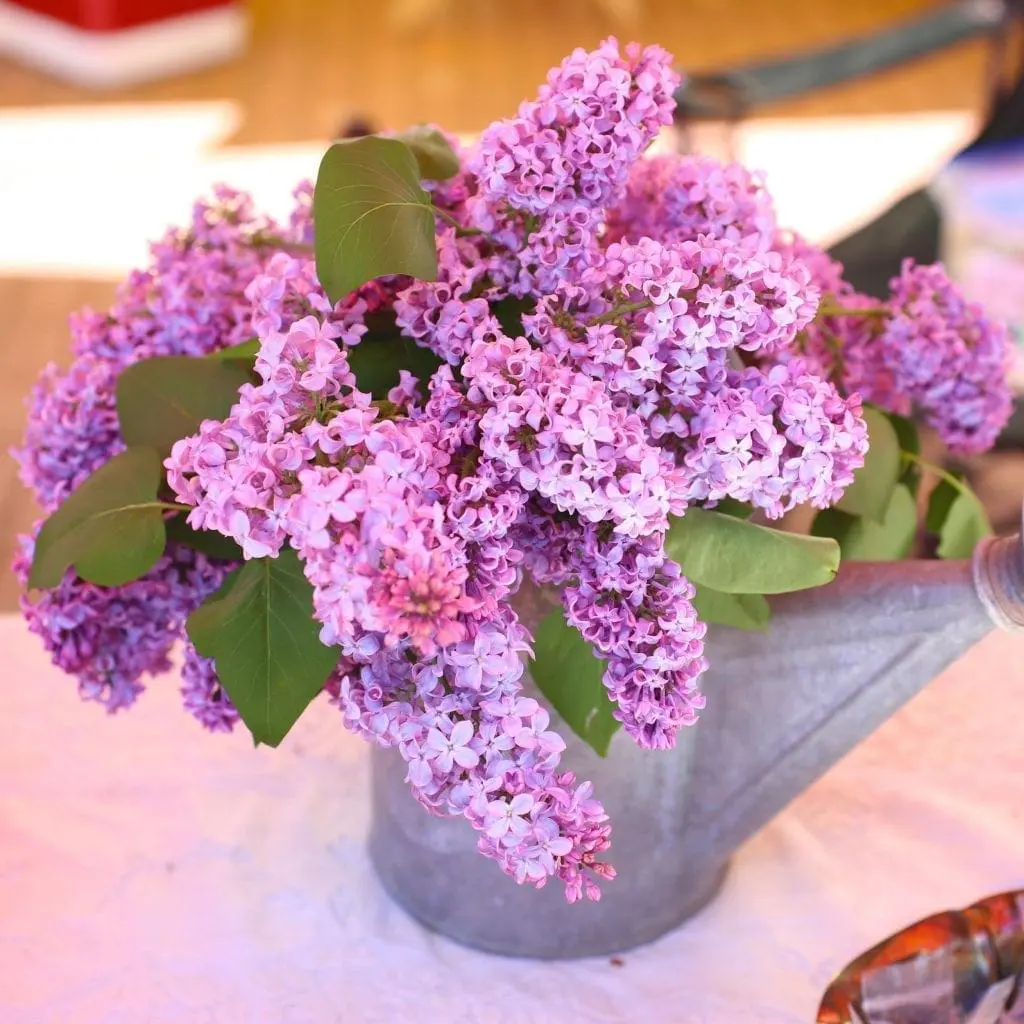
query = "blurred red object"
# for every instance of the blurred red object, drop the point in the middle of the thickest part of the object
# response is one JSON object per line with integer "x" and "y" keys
{"x": 111, "y": 15}
{"x": 113, "y": 43}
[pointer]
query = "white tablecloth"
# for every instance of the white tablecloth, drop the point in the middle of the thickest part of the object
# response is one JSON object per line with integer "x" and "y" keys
{"x": 152, "y": 873}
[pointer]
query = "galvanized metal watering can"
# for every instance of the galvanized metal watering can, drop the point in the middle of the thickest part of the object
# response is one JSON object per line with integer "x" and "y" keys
{"x": 783, "y": 707}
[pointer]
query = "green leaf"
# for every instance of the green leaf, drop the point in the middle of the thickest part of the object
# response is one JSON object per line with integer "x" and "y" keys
{"x": 161, "y": 400}
{"x": 567, "y": 672}
{"x": 874, "y": 482}
{"x": 911, "y": 477}
{"x": 434, "y": 155}
{"x": 959, "y": 520}
{"x": 741, "y": 611}
{"x": 737, "y": 557}
{"x": 370, "y": 215}
{"x": 509, "y": 313}
{"x": 940, "y": 501}
{"x": 110, "y": 528}
{"x": 734, "y": 508}
{"x": 862, "y": 540}
{"x": 209, "y": 542}
{"x": 910, "y": 442}
{"x": 906, "y": 432}
{"x": 830, "y": 522}
{"x": 245, "y": 351}
{"x": 376, "y": 363}
{"x": 259, "y": 630}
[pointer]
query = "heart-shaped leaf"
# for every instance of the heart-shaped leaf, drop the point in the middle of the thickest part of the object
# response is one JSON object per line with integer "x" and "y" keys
{"x": 371, "y": 217}
{"x": 110, "y": 529}
{"x": 209, "y": 542}
{"x": 740, "y": 611}
{"x": 738, "y": 557}
{"x": 906, "y": 432}
{"x": 940, "y": 501}
{"x": 734, "y": 508}
{"x": 245, "y": 351}
{"x": 910, "y": 443}
{"x": 260, "y": 631}
{"x": 434, "y": 154}
{"x": 958, "y": 518}
{"x": 377, "y": 363}
{"x": 509, "y": 312}
{"x": 568, "y": 673}
{"x": 862, "y": 540}
{"x": 873, "y": 483}
{"x": 161, "y": 400}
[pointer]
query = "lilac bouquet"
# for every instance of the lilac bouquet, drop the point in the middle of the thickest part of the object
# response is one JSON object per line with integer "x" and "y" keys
{"x": 331, "y": 455}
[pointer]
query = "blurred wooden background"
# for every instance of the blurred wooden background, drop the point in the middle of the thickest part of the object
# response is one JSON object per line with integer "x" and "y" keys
{"x": 313, "y": 64}
{"x": 465, "y": 62}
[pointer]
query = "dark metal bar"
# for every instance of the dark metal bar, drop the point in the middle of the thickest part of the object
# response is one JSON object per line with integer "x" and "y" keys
{"x": 732, "y": 93}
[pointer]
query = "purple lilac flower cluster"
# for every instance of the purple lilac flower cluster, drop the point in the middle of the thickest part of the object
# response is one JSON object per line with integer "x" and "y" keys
{"x": 666, "y": 350}
{"x": 109, "y": 638}
{"x": 545, "y": 177}
{"x": 776, "y": 439}
{"x": 477, "y": 746}
{"x": 680, "y": 198}
{"x": 945, "y": 354}
{"x": 191, "y": 300}
{"x": 926, "y": 350}
{"x": 634, "y": 606}
{"x": 202, "y": 693}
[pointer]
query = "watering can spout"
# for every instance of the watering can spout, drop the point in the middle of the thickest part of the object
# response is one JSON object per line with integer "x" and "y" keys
{"x": 786, "y": 705}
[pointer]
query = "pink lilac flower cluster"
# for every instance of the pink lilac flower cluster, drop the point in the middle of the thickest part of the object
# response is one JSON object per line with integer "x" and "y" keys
{"x": 476, "y": 746}
{"x": 618, "y": 339}
{"x": 776, "y": 439}
{"x": 545, "y": 177}
{"x": 633, "y": 604}
{"x": 408, "y": 550}
{"x": 679, "y": 198}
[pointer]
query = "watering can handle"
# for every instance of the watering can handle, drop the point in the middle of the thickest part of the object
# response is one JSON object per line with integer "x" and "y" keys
{"x": 999, "y": 580}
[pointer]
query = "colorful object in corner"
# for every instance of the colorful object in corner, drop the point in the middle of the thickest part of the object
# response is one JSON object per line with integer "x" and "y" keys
{"x": 546, "y": 362}
{"x": 955, "y": 966}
